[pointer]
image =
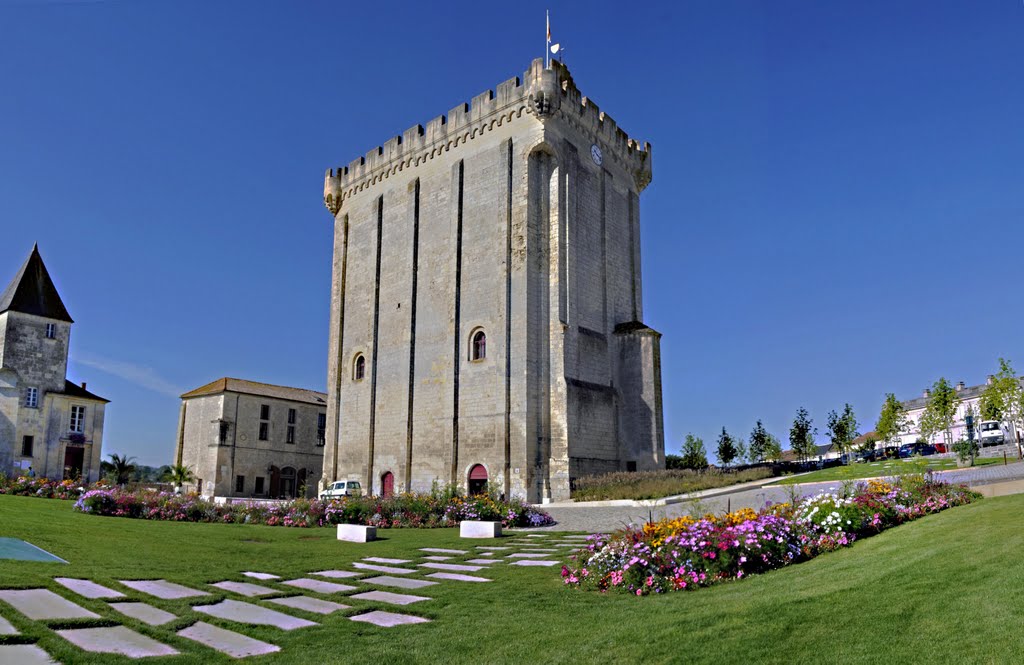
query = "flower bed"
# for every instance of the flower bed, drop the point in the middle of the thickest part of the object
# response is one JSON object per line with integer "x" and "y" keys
{"x": 687, "y": 553}
{"x": 43, "y": 487}
{"x": 399, "y": 510}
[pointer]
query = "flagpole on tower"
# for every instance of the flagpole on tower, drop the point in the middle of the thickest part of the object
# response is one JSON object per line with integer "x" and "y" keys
{"x": 547, "y": 43}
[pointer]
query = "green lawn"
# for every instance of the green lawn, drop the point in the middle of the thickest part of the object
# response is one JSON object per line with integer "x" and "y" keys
{"x": 893, "y": 467}
{"x": 946, "y": 589}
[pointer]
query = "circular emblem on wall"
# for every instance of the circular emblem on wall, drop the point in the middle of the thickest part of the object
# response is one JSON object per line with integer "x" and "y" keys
{"x": 595, "y": 154}
{"x": 243, "y": 437}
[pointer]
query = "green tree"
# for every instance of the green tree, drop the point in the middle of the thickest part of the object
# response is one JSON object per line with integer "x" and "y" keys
{"x": 726, "y": 450}
{"x": 694, "y": 454}
{"x": 1008, "y": 397}
{"x": 940, "y": 411}
{"x": 741, "y": 449}
{"x": 758, "y": 443}
{"x": 674, "y": 462}
{"x": 990, "y": 403}
{"x": 773, "y": 449}
{"x": 842, "y": 429}
{"x": 802, "y": 435}
{"x": 121, "y": 468}
{"x": 179, "y": 474}
{"x": 892, "y": 421}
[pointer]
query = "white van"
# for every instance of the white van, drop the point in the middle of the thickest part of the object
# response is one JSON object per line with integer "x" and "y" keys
{"x": 341, "y": 488}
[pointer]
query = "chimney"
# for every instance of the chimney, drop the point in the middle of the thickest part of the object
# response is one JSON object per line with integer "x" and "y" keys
{"x": 960, "y": 386}
{"x": 990, "y": 380}
{"x": 83, "y": 385}
{"x": 927, "y": 393}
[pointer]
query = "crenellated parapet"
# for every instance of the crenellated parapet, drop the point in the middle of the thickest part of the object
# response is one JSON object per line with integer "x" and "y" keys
{"x": 544, "y": 92}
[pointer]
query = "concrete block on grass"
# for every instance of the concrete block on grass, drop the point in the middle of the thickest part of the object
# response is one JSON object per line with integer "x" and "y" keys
{"x": 357, "y": 533}
{"x": 479, "y": 529}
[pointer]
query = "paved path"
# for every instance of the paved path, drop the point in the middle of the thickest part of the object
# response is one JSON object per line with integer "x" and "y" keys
{"x": 608, "y": 518}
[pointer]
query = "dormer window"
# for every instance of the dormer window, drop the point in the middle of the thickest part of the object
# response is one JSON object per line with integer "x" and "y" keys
{"x": 51, "y": 330}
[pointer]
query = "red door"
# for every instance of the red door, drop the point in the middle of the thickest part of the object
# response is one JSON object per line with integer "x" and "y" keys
{"x": 387, "y": 484}
{"x": 74, "y": 458}
{"x": 477, "y": 480}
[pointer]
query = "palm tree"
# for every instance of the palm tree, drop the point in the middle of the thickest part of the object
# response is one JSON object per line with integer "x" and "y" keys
{"x": 121, "y": 468}
{"x": 178, "y": 475}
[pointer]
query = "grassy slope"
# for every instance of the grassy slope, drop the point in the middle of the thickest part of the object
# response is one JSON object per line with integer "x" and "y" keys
{"x": 886, "y": 468}
{"x": 948, "y": 588}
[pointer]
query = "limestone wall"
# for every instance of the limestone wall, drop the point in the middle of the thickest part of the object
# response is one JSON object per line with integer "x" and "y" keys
{"x": 494, "y": 218}
{"x": 241, "y": 453}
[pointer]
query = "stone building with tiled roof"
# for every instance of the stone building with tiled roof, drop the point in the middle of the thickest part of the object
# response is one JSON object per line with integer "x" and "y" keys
{"x": 47, "y": 423}
{"x": 244, "y": 439}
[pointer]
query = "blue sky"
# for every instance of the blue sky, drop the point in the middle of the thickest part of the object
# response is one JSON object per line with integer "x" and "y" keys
{"x": 836, "y": 210}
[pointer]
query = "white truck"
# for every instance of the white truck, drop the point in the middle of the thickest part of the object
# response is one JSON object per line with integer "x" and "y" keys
{"x": 990, "y": 433}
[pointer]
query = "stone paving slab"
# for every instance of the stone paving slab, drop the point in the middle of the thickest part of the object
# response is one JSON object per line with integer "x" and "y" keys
{"x": 261, "y": 576}
{"x": 491, "y": 547}
{"x": 45, "y": 605}
{"x": 400, "y": 582}
{"x": 388, "y": 619}
{"x": 534, "y": 562}
{"x": 457, "y": 577}
{"x": 488, "y": 553}
{"x": 438, "y": 558}
{"x": 24, "y": 654}
{"x": 163, "y": 589}
{"x": 441, "y": 550}
{"x": 337, "y": 574}
{"x": 389, "y": 597}
{"x": 319, "y": 586}
{"x": 309, "y": 604}
{"x": 87, "y": 588}
{"x": 118, "y": 639}
{"x": 245, "y": 588}
{"x": 543, "y": 550}
{"x": 391, "y": 570}
{"x": 254, "y": 615}
{"x": 483, "y": 562}
{"x": 451, "y": 566}
{"x": 233, "y": 644}
{"x": 7, "y": 629}
{"x": 527, "y": 555}
{"x": 380, "y": 559}
{"x": 153, "y": 616}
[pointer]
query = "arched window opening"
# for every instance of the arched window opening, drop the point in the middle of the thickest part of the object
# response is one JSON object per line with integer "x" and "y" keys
{"x": 477, "y": 480}
{"x": 359, "y": 368}
{"x": 478, "y": 346}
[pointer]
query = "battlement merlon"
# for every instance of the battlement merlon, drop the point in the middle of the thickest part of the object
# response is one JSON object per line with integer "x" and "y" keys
{"x": 544, "y": 92}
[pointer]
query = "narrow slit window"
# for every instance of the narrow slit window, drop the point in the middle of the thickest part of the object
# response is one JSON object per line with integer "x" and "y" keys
{"x": 359, "y": 368}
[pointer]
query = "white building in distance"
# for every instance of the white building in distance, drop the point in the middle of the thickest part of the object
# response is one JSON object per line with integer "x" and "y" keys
{"x": 969, "y": 398}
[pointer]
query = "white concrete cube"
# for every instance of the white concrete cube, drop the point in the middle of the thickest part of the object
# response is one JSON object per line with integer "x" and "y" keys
{"x": 357, "y": 533}
{"x": 478, "y": 529}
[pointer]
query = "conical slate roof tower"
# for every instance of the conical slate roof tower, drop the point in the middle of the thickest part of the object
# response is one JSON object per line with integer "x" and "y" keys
{"x": 32, "y": 291}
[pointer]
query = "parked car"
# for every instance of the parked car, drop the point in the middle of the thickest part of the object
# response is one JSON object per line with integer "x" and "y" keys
{"x": 919, "y": 448}
{"x": 341, "y": 488}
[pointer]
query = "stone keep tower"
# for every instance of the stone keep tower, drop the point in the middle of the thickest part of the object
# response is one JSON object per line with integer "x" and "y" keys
{"x": 486, "y": 309}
